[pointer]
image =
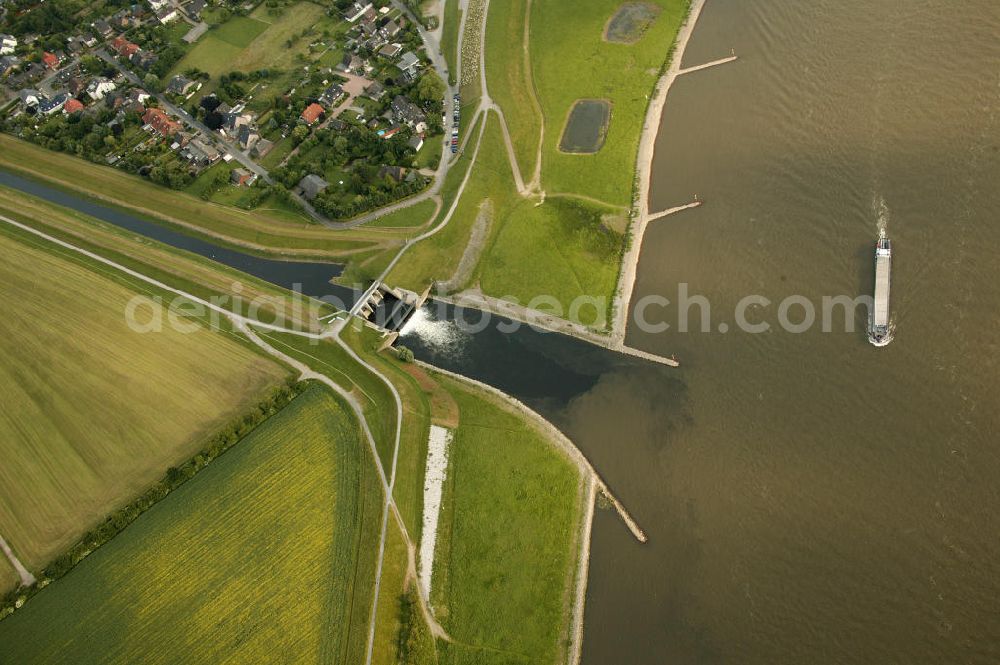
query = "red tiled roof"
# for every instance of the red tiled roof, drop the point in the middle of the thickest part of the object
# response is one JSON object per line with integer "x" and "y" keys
{"x": 72, "y": 106}
{"x": 312, "y": 113}
{"x": 50, "y": 59}
{"x": 161, "y": 122}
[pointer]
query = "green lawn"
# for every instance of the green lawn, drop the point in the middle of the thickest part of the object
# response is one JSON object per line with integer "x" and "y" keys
{"x": 437, "y": 257}
{"x": 240, "y": 31}
{"x": 93, "y": 412}
{"x": 449, "y": 35}
{"x": 507, "y": 542}
{"x": 266, "y": 554}
{"x": 415, "y": 215}
{"x": 249, "y": 43}
{"x": 509, "y": 81}
{"x": 557, "y": 249}
{"x": 566, "y": 39}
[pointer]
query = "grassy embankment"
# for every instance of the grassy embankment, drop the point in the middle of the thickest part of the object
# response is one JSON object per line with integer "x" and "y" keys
{"x": 449, "y": 36}
{"x": 192, "y": 273}
{"x": 570, "y": 245}
{"x": 371, "y": 392}
{"x": 94, "y": 412}
{"x": 560, "y": 248}
{"x": 567, "y": 38}
{"x": 507, "y": 541}
{"x": 509, "y": 79}
{"x": 270, "y": 550}
{"x": 262, "y": 231}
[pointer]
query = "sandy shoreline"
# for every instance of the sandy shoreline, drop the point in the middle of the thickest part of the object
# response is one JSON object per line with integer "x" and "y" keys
{"x": 647, "y": 145}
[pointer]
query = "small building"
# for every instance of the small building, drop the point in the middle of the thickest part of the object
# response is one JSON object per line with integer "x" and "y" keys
{"x": 375, "y": 90}
{"x": 144, "y": 59}
{"x": 161, "y": 123}
{"x": 241, "y": 177}
{"x": 199, "y": 153}
{"x": 180, "y": 85}
{"x": 351, "y": 64}
{"x": 50, "y": 60}
{"x": 390, "y": 50}
{"x": 99, "y": 87}
{"x": 102, "y": 28}
{"x": 8, "y": 63}
{"x": 8, "y": 43}
{"x": 50, "y": 106}
{"x": 247, "y": 137}
{"x": 72, "y": 106}
{"x": 166, "y": 15}
{"x": 312, "y": 186}
{"x": 30, "y": 97}
{"x": 356, "y": 11}
{"x": 390, "y": 30}
{"x": 331, "y": 95}
{"x": 124, "y": 47}
{"x": 416, "y": 142}
{"x": 262, "y": 147}
{"x": 195, "y": 8}
{"x": 408, "y": 64}
{"x": 312, "y": 113}
{"x": 396, "y": 173}
{"x": 407, "y": 113}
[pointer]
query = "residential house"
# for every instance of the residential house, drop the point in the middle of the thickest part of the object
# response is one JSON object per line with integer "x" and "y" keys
{"x": 199, "y": 153}
{"x": 166, "y": 15}
{"x": 262, "y": 147}
{"x": 102, "y": 28}
{"x": 137, "y": 95}
{"x": 124, "y": 47}
{"x": 247, "y": 137}
{"x": 312, "y": 113}
{"x": 157, "y": 5}
{"x": 375, "y": 90}
{"x": 357, "y": 10}
{"x": 397, "y": 173}
{"x": 390, "y": 30}
{"x": 416, "y": 142}
{"x": 351, "y": 64}
{"x": 72, "y": 106}
{"x": 312, "y": 186}
{"x": 50, "y": 60}
{"x": 30, "y": 97}
{"x": 407, "y": 113}
{"x": 180, "y": 85}
{"x": 390, "y": 50}
{"x": 241, "y": 177}
{"x": 50, "y": 106}
{"x": 76, "y": 85}
{"x": 408, "y": 64}
{"x": 8, "y": 63}
{"x": 161, "y": 123}
{"x": 98, "y": 87}
{"x": 331, "y": 95}
{"x": 8, "y": 43}
{"x": 195, "y": 8}
{"x": 234, "y": 121}
{"x": 144, "y": 59}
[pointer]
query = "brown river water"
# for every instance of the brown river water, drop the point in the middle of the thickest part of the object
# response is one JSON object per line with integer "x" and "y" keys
{"x": 810, "y": 498}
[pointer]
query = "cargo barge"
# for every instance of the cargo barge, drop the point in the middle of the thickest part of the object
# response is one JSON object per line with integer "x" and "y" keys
{"x": 878, "y": 319}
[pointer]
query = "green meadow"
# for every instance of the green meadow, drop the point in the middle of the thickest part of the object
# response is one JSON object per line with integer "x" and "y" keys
{"x": 507, "y": 540}
{"x": 266, "y": 555}
{"x": 94, "y": 412}
{"x": 567, "y": 38}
